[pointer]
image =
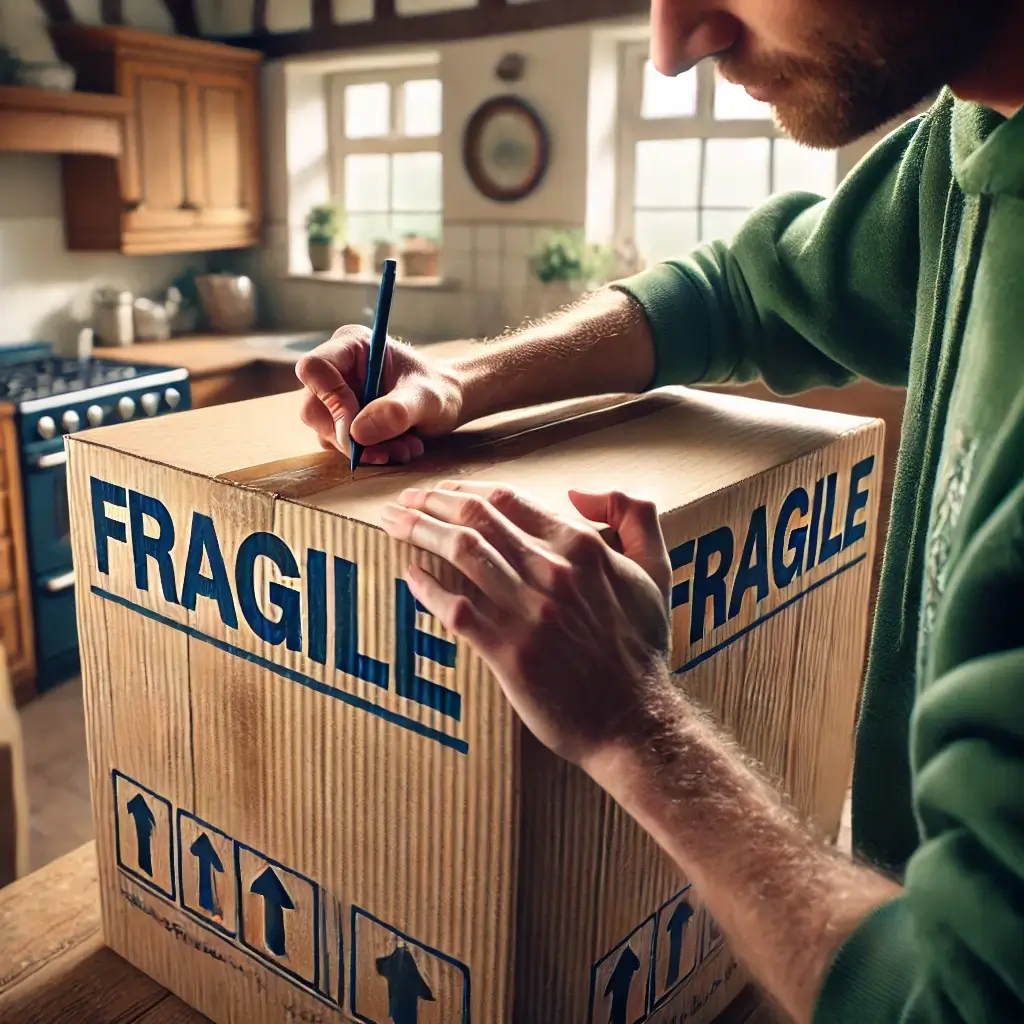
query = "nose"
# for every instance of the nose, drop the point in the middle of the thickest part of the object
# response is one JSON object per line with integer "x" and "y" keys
{"x": 684, "y": 32}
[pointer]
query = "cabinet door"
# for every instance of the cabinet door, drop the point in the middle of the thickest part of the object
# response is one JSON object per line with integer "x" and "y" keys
{"x": 158, "y": 177}
{"x": 228, "y": 151}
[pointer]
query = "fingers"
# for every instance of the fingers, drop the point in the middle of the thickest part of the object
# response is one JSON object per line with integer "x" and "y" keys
{"x": 464, "y": 548}
{"x": 474, "y": 512}
{"x": 391, "y": 415}
{"x": 514, "y": 506}
{"x": 636, "y": 523}
{"x": 328, "y": 373}
{"x": 456, "y": 612}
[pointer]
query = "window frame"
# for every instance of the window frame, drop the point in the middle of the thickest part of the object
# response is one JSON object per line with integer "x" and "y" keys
{"x": 702, "y": 125}
{"x": 340, "y": 145}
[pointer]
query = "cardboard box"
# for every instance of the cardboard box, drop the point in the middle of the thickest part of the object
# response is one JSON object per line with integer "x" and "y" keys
{"x": 312, "y": 805}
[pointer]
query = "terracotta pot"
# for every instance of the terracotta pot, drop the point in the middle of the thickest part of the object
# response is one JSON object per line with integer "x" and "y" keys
{"x": 321, "y": 256}
{"x": 421, "y": 263}
{"x": 352, "y": 260}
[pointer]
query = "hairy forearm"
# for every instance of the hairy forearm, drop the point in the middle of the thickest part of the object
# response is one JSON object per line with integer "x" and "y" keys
{"x": 785, "y": 900}
{"x": 600, "y": 345}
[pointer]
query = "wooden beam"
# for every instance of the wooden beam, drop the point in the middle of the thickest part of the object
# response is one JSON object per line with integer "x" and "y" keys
{"x": 486, "y": 19}
{"x": 183, "y": 14}
{"x": 57, "y": 11}
{"x": 111, "y": 12}
{"x": 259, "y": 18}
{"x": 323, "y": 14}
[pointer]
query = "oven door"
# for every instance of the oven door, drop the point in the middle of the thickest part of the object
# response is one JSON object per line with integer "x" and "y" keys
{"x": 46, "y": 509}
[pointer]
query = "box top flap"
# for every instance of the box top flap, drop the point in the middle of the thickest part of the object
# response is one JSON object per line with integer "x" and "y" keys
{"x": 673, "y": 446}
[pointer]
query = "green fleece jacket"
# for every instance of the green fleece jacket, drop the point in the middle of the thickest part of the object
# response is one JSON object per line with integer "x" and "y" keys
{"x": 911, "y": 274}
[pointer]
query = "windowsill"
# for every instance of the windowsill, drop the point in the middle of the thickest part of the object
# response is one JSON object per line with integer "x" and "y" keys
{"x": 373, "y": 280}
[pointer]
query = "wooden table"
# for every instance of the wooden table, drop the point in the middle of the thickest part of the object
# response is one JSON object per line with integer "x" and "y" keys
{"x": 54, "y": 968}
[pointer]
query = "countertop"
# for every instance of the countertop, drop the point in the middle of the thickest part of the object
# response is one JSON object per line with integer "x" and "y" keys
{"x": 55, "y": 968}
{"x": 205, "y": 355}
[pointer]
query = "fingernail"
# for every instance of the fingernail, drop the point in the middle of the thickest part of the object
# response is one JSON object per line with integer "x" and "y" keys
{"x": 411, "y": 496}
{"x": 375, "y": 458}
{"x": 339, "y": 434}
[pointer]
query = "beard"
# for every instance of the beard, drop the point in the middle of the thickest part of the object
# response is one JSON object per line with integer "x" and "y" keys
{"x": 869, "y": 65}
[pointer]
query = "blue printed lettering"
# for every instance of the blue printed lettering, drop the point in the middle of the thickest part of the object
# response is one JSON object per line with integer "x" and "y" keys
{"x": 145, "y": 547}
{"x": 708, "y": 584}
{"x": 831, "y": 544}
{"x": 105, "y": 528}
{"x": 857, "y": 500}
{"x": 288, "y": 627}
{"x": 202, "y": 542}
{"x": 752, "y": 573}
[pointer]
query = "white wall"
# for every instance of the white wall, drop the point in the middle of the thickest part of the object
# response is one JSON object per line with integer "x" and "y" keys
{"x": 45, "y": 291}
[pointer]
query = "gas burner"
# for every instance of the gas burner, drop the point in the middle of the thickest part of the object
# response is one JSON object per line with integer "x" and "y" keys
{"x": 45, "y": 378}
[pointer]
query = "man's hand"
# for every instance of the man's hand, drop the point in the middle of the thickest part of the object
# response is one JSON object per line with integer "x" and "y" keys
{"x": 419, "y": 398}
{"x": 577, "y": 633}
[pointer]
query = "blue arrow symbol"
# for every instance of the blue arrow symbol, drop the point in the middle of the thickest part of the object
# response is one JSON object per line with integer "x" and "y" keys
{"x": 406, "y": 986}
{"x": 275, "y": 902}
{"x": 676, "y": 930}
{"x": 145, "y": 823}
{"x": 620, "y": 983}
{"x": 203, "y": 851}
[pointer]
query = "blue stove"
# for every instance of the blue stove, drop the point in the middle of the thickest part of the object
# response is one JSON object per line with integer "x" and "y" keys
{"x": 55, "y": 397}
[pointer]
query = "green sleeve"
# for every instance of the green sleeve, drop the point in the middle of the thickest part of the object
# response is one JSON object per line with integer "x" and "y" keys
{"x": 810, "y": 292}
{"x": 951, "y": 947}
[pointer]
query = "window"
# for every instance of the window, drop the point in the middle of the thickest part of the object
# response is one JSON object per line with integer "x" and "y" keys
{"x": 385, "y": 147}
{"x": 696, "y": 155}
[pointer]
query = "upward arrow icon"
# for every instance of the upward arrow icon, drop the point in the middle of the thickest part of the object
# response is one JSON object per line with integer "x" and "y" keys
{"x": 145, "y": 823}
{"x": 406, "y": 987}
{"x": 202, "y": 849}
{"x": 275, "y": 902}
{"x": 619, "y": 985}
{"x": 676, "y": 930}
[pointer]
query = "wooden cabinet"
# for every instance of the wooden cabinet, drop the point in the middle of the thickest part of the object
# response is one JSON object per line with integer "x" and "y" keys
{"x": 189, "y": 179}
{"x": 16, "y": 627}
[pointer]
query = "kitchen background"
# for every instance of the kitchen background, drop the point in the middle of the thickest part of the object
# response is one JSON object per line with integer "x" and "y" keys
{"x": 510, "y": 153}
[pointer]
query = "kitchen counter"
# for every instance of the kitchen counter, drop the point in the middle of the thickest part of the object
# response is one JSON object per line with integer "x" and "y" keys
{"x": 226, "y": 368}
{"x": 55, "y": 968}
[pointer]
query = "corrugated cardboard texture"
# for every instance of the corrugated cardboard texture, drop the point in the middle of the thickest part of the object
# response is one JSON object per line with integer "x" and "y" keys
{"x": 312, "y": 804}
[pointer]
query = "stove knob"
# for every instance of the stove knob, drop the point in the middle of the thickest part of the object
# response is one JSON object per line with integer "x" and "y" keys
{"x": 172, "y": 396}
{"x": 150, "y": 402}
{"x": 46, "y": 427}
{"x": 126, "y": 407}
{"x": 94, "y": 414}
{"x": 70, "y": 421}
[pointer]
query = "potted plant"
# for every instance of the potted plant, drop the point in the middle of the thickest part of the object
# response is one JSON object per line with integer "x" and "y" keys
{"x": 383, "y": 249}
{"x": 352, "y": 259}
{"x": 421, "y": 256}
{"x": 322, "y": 227}
{"x": 567, "y": 261}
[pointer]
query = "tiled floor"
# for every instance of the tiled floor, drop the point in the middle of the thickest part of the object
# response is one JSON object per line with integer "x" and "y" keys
{"x": 53, "y": 730}
{"x": 58, "y": 778}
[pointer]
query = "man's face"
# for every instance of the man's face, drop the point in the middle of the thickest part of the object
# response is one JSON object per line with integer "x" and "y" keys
{"x": 832, "y": 70}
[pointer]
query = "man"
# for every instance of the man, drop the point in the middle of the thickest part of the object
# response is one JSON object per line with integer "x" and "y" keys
{"x": 909, "y": 275}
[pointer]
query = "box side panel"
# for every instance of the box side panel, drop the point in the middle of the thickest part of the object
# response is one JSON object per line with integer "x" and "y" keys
{"x": 305, "y": 793}
{"x": 775, "y": 650}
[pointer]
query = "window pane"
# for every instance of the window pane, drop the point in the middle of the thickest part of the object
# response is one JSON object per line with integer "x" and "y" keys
{"x": 799, "y": 169}
{"x": 733, "y": 104}
{"x": 366, "y": 182}
{"x": 363, "y": 229}
{"x": 421, "y": 107}
{"x": 416, "y": 182}
{"x": 736, "y": 172}
{"x": 661, "y": 235}
{"x": 426, "y": 225}
{"x": 721, "y": 225}
{"x": 367, "y": 110}
{"x": 668, "y": 97}
{"x": 667, "y": 171}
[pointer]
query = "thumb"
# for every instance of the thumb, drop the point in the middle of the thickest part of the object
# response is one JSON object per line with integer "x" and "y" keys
{"x": 636, "y": 522}
{"x": 390, "y": 416}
